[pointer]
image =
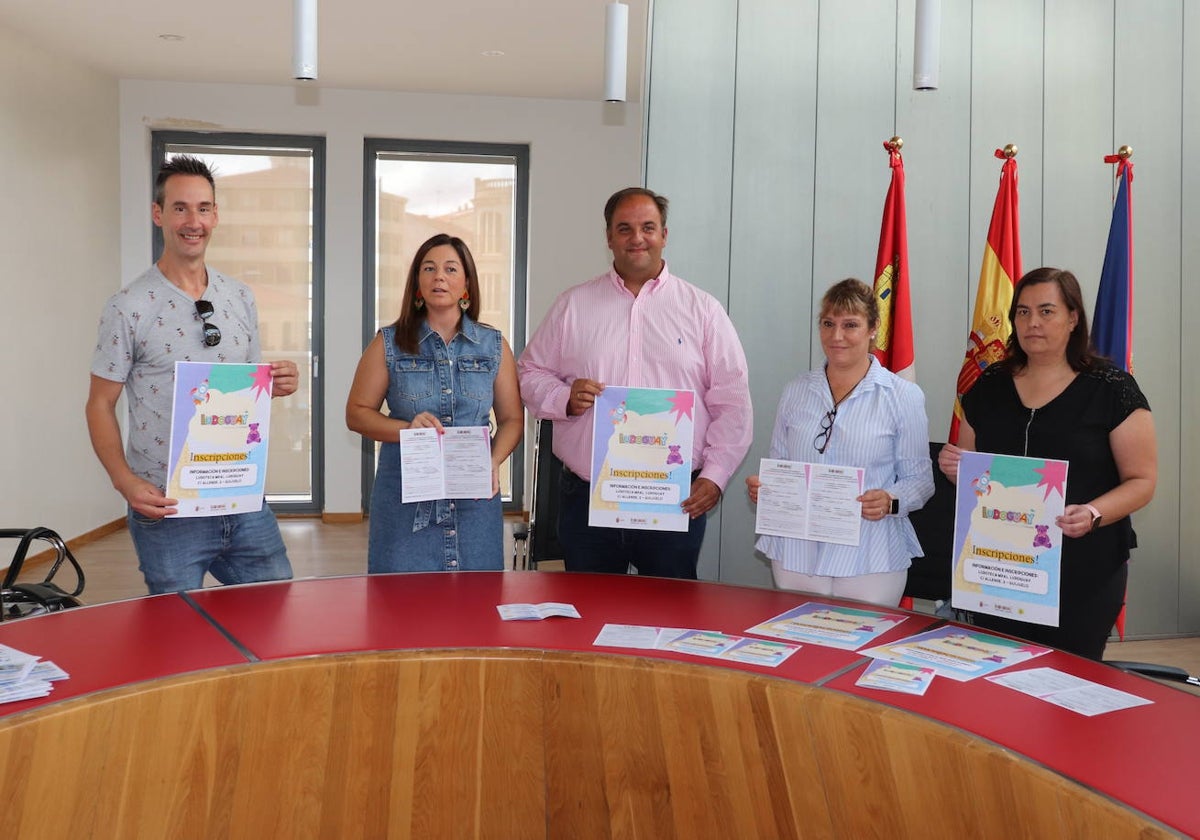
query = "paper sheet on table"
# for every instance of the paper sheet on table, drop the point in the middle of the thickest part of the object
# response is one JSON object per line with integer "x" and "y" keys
{"x": 1068, "y": 691}
{"x": 536, "y": 612}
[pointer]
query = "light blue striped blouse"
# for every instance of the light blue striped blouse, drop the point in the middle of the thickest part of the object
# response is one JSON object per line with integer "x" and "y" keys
{"x": 882, "y": 427}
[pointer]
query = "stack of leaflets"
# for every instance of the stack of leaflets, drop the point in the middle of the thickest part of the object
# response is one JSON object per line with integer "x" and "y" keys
{"x": 23, "y": 676}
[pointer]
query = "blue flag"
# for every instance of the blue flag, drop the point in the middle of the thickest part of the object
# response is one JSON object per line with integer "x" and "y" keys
{"x": 1112, "y": 325}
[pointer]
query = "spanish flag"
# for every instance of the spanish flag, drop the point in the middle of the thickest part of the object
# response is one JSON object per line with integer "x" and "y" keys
{"x": 894, "y": 338}
{"x": 1001, "y": 269}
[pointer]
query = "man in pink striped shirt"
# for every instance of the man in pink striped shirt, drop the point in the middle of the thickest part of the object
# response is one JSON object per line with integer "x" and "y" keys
{"x": 638, "y": 325}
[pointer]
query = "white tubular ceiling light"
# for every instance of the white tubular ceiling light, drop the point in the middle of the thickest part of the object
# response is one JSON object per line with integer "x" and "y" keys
{"x": 927, "y": 42}
{"x": 304, "y": 40}
{"x": 616, "y": 50}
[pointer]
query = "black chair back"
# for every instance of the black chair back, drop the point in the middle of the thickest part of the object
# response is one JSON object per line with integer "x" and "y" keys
{"x": 929, "y": 576}
{"x": 543, "y": 517}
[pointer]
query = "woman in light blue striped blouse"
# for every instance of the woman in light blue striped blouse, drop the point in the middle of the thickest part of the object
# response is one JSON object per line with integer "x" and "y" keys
{"x": 853, "y": 412}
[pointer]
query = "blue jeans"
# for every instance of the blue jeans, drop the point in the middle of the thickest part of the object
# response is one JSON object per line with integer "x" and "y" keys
{"x": 174, "y": 554}
{"x": 670, "y": 554}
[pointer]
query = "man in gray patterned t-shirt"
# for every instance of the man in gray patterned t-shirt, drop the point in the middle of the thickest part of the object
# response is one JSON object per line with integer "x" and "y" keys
{"x": 178, "y": 310}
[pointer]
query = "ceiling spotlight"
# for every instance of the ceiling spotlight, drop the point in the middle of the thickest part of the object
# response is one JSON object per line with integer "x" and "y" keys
{"x": 616, "y": 50}
{"x": 304, "y": 40}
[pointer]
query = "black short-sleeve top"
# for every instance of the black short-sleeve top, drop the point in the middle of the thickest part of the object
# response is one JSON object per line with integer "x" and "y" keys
{"x": 1074, "y": 427}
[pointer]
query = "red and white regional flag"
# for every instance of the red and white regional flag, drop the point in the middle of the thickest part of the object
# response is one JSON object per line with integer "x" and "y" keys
{"x": 894, "y": 338}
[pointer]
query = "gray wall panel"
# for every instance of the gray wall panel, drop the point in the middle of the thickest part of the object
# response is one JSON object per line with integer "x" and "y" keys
{"x": 689, "y": 155}
{"x": 936, "y": 127}
{"x": 1006, "y": 107}
{"x": 1189, "y": 445}
{"x": 770, "y": 296}
{"x": 1078, "y": 134}
{"x": 770, "y": 145}
{"x": 855, "y": 114}
{"x": 1148, "y": 93}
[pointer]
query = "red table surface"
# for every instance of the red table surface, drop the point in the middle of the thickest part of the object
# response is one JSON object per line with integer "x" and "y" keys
{"x": 111, "y": 645}
{"x": 441, "y": 610}
{"x": 1147, "y": 756}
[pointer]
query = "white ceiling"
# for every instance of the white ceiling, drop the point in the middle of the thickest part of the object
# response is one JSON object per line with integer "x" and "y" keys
{"x": 552, "y": 48}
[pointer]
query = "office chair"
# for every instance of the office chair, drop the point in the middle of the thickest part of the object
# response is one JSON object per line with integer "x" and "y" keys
{"x": 18, "y": 600}
{"x": 538, "y": 540}
{"x": 929, "y": 576}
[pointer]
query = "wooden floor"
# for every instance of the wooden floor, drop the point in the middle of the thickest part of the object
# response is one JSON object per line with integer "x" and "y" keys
{"x": 320, "y": 549}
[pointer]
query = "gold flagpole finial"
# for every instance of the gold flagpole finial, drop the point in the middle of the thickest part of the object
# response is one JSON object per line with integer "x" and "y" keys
{"x": 895, "y": 144}
{"x": 1010, "y": 151}
{"x": 1125, "y": 152}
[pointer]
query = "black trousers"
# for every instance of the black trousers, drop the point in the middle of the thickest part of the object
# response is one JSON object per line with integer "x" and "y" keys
{"x": 671, "y": 554}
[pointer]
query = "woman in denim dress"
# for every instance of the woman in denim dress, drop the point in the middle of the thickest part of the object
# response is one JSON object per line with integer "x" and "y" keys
{"x": 436, "y": 366}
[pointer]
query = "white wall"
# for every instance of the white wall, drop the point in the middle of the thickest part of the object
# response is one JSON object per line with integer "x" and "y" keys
{"x": 59, "y": 239}
{"x": 580, "y": 152}
{"x": 784, "y": 105}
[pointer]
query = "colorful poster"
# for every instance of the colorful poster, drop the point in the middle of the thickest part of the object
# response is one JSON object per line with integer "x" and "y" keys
{"x": 641, "y": 458}
{"x": 824, "y": 624}
{"x": 1007, "y": 545}
{"x": 221, "y": 415}
{"x": 959, "y": 653}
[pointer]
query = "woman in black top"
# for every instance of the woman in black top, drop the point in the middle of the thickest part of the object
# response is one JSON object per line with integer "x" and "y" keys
{"x": 1052, "y": 398}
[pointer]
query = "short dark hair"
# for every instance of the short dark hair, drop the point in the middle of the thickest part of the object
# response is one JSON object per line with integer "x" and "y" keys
{"x": 181, "y": 165}
{"x": 610, "y": 206}
{"x": 408, "y": 325}
{"x": 851, "y": 296}
{"x": 1080, "y": 355}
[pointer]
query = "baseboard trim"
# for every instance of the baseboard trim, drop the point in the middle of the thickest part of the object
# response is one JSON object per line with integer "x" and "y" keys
{"x": 342, "y": 518}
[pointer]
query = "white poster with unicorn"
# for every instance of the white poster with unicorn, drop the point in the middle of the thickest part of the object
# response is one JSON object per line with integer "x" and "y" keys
{"x": 219, "y": 433}
{"x": 642, "y": 458}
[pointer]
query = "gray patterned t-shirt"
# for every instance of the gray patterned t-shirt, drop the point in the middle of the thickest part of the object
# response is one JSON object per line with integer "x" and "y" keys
{"x": 146, "y": 328}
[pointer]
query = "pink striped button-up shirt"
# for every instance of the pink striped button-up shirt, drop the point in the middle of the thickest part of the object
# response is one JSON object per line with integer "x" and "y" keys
{"x": 672, "y": 335}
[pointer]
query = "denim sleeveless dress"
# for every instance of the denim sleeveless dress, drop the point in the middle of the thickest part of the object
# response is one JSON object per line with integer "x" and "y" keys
{"x": 453, "y": 382}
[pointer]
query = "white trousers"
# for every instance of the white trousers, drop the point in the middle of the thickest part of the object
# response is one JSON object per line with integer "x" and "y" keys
{"x": 884, "y": 589}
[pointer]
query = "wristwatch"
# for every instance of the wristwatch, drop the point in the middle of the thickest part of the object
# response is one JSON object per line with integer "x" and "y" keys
{"x": 895, "y": 509}
{"x": 1096, "y": 517}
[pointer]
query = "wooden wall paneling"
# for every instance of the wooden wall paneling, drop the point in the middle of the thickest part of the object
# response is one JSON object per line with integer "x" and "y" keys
{"x": 1189, "y": 339}
{"x": 689, "y": 153}
{"x": 936, "y": 127}
{"x": 476, "y": 767}
{"x": 851, "y": 752}
{"x": 625, "y": 788}
{"x": 628, "y": 748}
{"x": 771, "y": 242}
{"x": 1148, "y": 93}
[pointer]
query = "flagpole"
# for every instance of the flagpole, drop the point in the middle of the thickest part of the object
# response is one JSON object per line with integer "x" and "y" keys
{"x": 1112, "y": 319}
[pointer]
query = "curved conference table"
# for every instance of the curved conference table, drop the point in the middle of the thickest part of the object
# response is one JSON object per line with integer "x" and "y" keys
{"x": 401, "y": 705}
